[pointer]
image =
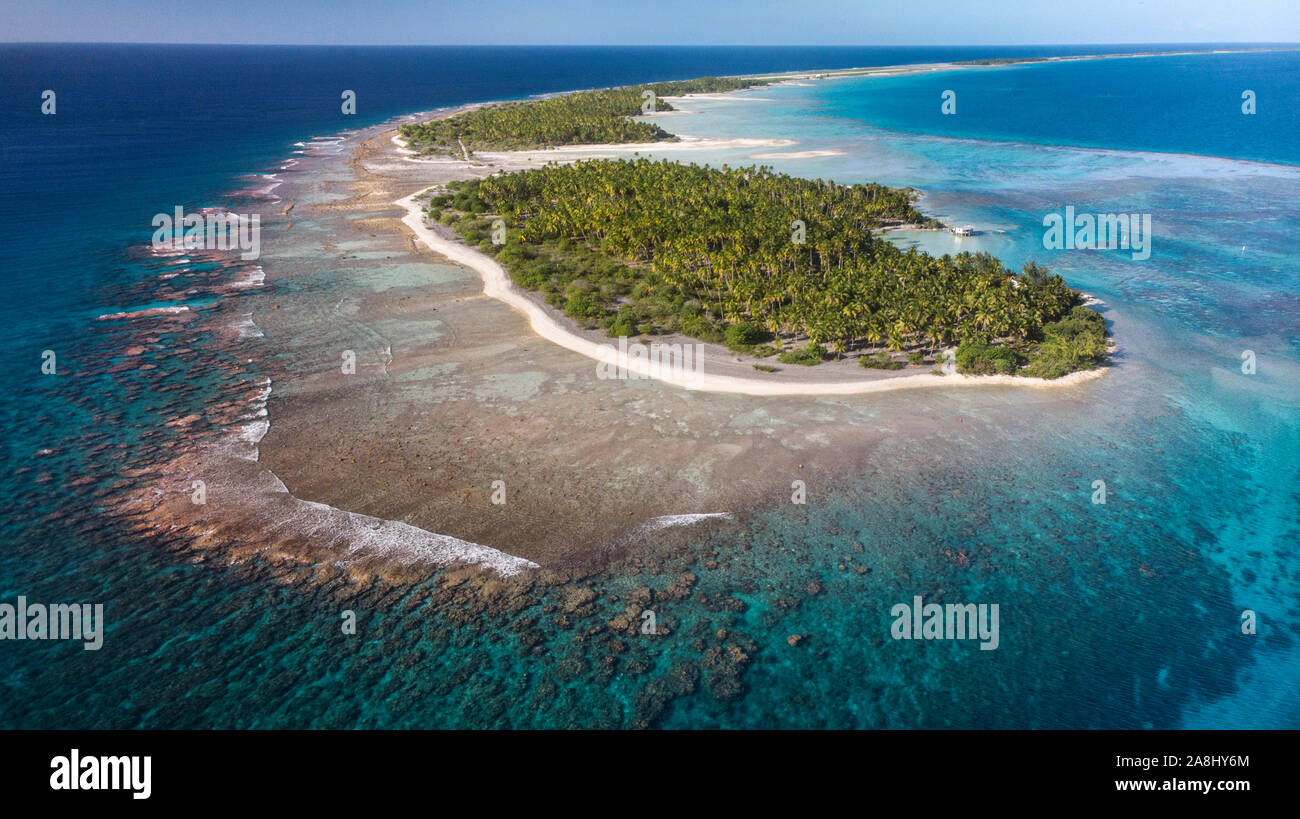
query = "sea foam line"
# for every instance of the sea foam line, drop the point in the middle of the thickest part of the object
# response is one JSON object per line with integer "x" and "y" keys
{"x": 668, "y": 521}
{"x": 362, "y": 535}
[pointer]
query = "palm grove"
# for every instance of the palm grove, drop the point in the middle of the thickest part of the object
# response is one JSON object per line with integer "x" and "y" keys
{"x": 766, "y": 263}
{"x": 584, "y": 118}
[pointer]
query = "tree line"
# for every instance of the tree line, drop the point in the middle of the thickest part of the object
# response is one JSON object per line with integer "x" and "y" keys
{"x": 581, "y": 118}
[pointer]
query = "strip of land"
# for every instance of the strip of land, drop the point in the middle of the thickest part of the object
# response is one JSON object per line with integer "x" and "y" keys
{"x": 721, "y": 369}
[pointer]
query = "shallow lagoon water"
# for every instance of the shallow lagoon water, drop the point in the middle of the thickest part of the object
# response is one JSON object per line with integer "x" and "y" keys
{"x": 1198, "y": 457}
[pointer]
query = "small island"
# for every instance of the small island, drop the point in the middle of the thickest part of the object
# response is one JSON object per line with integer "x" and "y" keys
{"x": 772, "y": 266}
{"x": 579, "y": 118}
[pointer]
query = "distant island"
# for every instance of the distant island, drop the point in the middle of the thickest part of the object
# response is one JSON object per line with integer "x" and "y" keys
{"x": 768, "y": 264}
{"x": 579, "y": 118}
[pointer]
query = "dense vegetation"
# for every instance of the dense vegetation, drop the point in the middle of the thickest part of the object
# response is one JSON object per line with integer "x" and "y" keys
{"x": 582, "y": 118}
{"x": 643, "y": 247}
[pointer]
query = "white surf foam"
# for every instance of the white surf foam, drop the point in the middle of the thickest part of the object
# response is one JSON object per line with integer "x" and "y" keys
{"x": 667, "y": 521}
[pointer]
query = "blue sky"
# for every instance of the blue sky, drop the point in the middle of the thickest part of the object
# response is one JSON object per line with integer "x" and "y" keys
{"x": 653, "y": 22}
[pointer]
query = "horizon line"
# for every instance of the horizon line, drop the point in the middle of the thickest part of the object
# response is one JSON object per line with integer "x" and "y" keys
{"x": 662, "y": 45}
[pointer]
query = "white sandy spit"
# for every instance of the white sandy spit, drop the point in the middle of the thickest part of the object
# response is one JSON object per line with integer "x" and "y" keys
{"x": 567, "y": 153}
{"x": 683, "y": 143}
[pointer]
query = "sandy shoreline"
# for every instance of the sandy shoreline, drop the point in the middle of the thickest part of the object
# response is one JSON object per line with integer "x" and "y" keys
{"x": 960, "y": 65}
{"x": 718, "y": 372}
{"x": 497, "y": 285}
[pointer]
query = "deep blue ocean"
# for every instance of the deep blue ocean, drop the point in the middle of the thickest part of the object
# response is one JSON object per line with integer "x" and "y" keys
{"x": 142, "y": 129}
{"x": 142, "y": 124}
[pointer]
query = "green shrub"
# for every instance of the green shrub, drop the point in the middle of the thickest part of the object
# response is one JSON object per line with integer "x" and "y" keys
{"x": 880, "y": 361}
{"x": 701, "y": 328}
{"x": 580, "y": 306}
{"x": 807, "y": 356}
{"x": 1046, "y": 366}
{"x": 1075, "y": 342}
{"x": 621, "y": 326}
{"x": 1059, "y": 355}
{"x": 745, "y": 334}
{"x": 977, "y": 357}
{"x": 916, "y": 358}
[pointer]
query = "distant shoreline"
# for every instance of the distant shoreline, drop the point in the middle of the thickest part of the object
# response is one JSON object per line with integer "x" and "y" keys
{"x": 719, "y": 367}
{"x": 997, "y": 62}
{"x": 904, "y": 69}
